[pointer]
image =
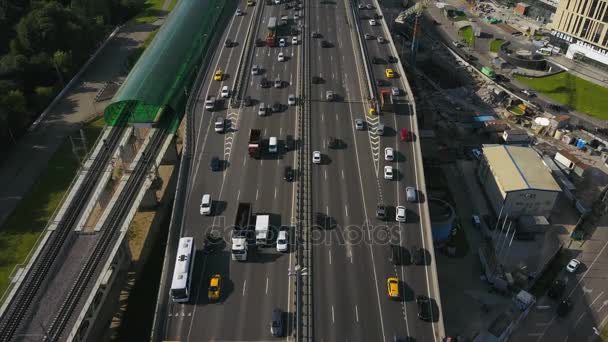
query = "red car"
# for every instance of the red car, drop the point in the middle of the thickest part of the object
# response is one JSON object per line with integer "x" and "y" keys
{"x": 405, "y": 134}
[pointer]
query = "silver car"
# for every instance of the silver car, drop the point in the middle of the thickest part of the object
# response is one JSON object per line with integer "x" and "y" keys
{"x": 359, "y": 125}
{"x": 291, "y": 100}
{"x": 329, "y": 95}
{"x": 411, "y": 194}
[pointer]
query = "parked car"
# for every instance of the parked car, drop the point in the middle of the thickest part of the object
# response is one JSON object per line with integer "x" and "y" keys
{"x": 425, "y": 310}
{"x": 573, "y": 265}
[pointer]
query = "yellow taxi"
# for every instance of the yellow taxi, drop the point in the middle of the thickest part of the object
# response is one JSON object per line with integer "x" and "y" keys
{"x": 218, "y": 75}
{"x": 215, "y": 284}
{"x": 250, "y": 3}
{"x": 392, "y": 284}
{"x": 389, "y": 73}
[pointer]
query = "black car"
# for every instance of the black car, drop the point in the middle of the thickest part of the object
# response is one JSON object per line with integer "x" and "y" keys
{"x": 259, "y": 42}
{"x": 417, "y": 256}
{"x": 289, "y": 143}
{"x": 215, "y": 164}
{"x": 316, "y": 35}
{"x": 276, "y": 323}
{"x": 212, "y": 242}
{"x": 325, "y": 44}
{"x": 228, "y": 43}
{"x": 377, "y": 16}
{"x": 564, "y": 307}
{"x": 425, "y": 310}
{"x": 317, "y": 80}
{"x": 247, "y": 101}
{"x": 288, "y": 173}
{"x": 264, "y": 83}
{"x": 381, "y": 212}
{"x": 381, "y": 83}
{"x": 556, "y": 289}
{"x": 395, "y": 254}
{"x": 392, "y": 59}
{"x": 276, "y": 107}
{"x": 377, "y": 60}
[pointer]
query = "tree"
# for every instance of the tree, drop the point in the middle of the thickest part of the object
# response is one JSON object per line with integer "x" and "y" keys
{"x": 61, "y": 62}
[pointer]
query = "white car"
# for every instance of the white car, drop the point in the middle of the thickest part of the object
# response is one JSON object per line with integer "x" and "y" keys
{"x": 316, "y": 157}
{"x": 369, "y": 6}
{"x": 255, "y": 69}
{"x": 395, "y": 91}
{"x": 282, "y": 241}
{"x": 388, "y": 172}
{"x": 205, "y": 208}
{"x": 282, "y": 42}
{"x": 281, "y": 57}
{"x": 372, "y": 22}
{"x": 238, "y": 12}
{"x": 225, "y": 92}
{"x": 361, "y": 6}
{"x": 380, "y": 40}
{"x": 294, "y": 40}
{"x": 389, "y": 154}
{"x": 573, "y": 265}
{"x": 291, "y": 100}
{"x": 359, "y": 124}
{"x": 296, "y": 17}
{"x": 219, "y": 125}
{"x": 210, "y": 103}
{"x": 277, "y": 2}
{"x": 400, "y": 216}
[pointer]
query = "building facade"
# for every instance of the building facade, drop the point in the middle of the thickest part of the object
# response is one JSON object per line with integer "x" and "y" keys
{"x": 581, "y": 27}
{"x": 517, "y": 182}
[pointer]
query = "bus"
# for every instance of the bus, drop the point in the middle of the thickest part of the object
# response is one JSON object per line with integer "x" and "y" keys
{"x": 182, "y": 273}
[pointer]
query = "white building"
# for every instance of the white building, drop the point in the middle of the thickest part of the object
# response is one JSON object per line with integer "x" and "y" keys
{"x": 517, "y": 182}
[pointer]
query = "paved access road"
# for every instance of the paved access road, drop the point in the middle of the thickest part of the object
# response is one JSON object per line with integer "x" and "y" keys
{"x": 250, "y": 289}
{"x": 587, "y": 289}
{"x": 350, "y": 253}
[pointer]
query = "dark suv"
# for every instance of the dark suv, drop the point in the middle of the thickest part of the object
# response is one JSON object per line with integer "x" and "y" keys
{"x": 288, "y": 174}
{"x": 381, "y": 212}
{"x": 215, "y": 164}
{"x": 425, "y": 310}
{"x": 395, "y": 254}
{"x": 556, "y": 289}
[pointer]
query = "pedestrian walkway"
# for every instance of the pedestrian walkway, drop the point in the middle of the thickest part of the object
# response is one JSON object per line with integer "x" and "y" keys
{"x": 28, "y": 159}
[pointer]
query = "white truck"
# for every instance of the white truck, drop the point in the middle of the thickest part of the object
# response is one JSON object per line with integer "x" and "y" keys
{"x": 262, "y": 229}
{"x": 240, "y": 231}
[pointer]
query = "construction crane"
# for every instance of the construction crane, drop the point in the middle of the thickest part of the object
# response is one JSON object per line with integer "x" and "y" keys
{"x": 417, "y": 9}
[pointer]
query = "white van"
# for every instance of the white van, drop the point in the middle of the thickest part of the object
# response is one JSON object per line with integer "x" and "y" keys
{"x": 206, "y": 205}
{"x": 272, "y": 145}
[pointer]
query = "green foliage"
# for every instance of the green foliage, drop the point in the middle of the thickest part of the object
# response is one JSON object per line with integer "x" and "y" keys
{"x": 496, "y": 44}
{"x": 467, "y": 35}
{"x": 572, "y": 91}
{"x": 152, "y": 10}
{"x": 43, "y": 96}
{"x": 19, "y": 233}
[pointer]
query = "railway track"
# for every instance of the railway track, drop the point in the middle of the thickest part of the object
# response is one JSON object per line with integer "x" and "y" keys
{"x": 109, "y": 231}
{"x": 20, "y": 303}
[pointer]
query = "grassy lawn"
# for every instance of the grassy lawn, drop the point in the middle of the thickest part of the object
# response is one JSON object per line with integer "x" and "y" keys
{"x": 572, "y": 91}
{"x": 604, "y": 333}
{"x": 21, "y": 230}
{"x": 467, "y": 35}
{"x": 136, "y": 53}
{"x": 152, "y": 10}
{"x": 496, "y": 44}
{"x": 459, "y": 18}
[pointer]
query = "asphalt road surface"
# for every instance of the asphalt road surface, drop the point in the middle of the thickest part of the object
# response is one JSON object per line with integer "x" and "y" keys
{"x": 250, "y": 289}
{"x": 351, "y": 246}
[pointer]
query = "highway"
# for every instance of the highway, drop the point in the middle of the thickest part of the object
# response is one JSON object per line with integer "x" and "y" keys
{"x": 250, "y": 289}
{"x": 351, "y": 246}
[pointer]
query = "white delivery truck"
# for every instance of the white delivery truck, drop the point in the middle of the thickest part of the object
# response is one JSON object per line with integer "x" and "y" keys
{"x": 239, "y": 232}
{"x": 262, "y": 229}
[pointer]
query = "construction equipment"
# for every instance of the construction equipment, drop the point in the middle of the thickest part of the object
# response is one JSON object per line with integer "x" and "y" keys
{"x": 417, "y": 8}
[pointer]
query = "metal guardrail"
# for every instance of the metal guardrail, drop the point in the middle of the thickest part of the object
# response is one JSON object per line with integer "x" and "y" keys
{"x": 304, "y": 306}
{"x": 371, "y": 87}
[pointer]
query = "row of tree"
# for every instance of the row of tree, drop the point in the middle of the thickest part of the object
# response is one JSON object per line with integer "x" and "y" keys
{"x": 43, "y": 43}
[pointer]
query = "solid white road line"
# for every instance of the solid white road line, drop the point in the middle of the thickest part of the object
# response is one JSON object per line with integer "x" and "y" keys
{"x": 356, "y": 314}
{"x": 329, "y": 251}
{"x": 342, "y": 172}
{"x": 266, "y": 285}
{"x": 588, "y": 269}
{"x": 596, "y": 298}
{"x": 346, "y": 209}
{"x": 238, "y": 195}
{"x": 275, "y": 193}
{"x": 579, "y": 319}
{"x": 333, "y": 318}
{"x": 244, "y": 287}
{"x": 325, "y": 171}
{"x": 257, "y": 192}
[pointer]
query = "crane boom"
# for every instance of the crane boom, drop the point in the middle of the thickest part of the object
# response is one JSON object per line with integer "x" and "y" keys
{"x": 417, "y": 8}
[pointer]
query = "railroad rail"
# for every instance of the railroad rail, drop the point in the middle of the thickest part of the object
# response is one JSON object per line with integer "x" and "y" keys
{"x": 20, "y": 304}
{"x": 111, "y": 228}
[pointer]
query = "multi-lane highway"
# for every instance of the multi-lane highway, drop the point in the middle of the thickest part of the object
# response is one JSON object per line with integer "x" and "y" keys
{"x": 350, "y": 250}
{"x": 251, "y": 289}
{"x": 351, "y": 247}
